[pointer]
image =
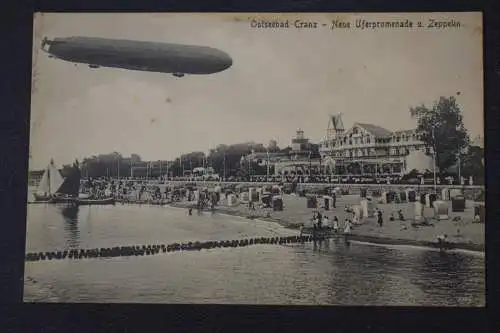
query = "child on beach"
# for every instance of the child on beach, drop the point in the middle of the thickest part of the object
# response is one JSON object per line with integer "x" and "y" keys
{"x": 347, "y": 227}
{"x": 335, "y": 224}
{"x": 380, "y": 220}
{"x": 326, "y": 222}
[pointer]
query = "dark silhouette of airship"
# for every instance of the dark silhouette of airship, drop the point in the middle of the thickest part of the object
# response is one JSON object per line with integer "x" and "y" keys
{"x": 176, "y": 59}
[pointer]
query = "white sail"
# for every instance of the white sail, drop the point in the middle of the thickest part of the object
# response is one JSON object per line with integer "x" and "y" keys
{"x": 56, "y": 179}
{"x": 44, "y": 186}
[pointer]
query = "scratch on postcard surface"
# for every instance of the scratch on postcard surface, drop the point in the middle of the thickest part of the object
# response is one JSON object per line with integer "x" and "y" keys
{"x": 37, "y": 35}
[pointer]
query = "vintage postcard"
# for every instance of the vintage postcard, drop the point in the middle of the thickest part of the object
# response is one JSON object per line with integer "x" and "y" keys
{"x": 332, "y": 159}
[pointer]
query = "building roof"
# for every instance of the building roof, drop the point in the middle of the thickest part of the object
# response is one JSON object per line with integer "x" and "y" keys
{"x": 406, "y": 131}
{"x": 376, "y": 130}
{"x": 336, "y": 122}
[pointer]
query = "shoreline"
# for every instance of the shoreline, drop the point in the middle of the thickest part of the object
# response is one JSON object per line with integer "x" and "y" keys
{"x": 356, "y": 235}
{"x": 359, "y": 237}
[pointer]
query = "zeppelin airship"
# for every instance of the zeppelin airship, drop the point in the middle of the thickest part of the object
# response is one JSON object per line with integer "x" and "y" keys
{"x": 176, "y": 59}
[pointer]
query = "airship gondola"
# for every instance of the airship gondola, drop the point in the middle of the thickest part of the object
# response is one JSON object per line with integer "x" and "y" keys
{"x": 176, "y": 59}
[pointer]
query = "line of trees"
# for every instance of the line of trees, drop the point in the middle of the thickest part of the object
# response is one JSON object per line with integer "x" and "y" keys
{"x": 224, "y": 159}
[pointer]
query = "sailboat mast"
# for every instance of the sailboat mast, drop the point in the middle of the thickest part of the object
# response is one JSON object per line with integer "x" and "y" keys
{"x": 48, "y": 177}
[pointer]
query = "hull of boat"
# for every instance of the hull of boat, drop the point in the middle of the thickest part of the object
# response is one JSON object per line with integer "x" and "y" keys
{"x": 40, "y": 201}
{"x": 86, "y": 202}
{"x": 41, "y": 198}
{"x": 63, "y": 200}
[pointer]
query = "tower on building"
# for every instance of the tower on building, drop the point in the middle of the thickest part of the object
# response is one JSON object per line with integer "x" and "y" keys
{"x": 335, "y": 126}
{"x": 299, "y": 134}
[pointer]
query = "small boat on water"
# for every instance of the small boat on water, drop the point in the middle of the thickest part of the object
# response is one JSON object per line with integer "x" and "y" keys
{"x": 63, "y": 199}
{"x": 68, "y": 191}
{"x": 49, "y": 185}
{"x": 55, "y": 189}
{"x": 89, "y": 201}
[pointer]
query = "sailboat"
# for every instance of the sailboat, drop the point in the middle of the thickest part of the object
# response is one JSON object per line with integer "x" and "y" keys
{"x": 50, "y": 183}
{"x": 68, "y": 191}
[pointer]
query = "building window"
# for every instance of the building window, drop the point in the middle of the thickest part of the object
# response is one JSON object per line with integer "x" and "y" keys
{"x": 367, "y": 139}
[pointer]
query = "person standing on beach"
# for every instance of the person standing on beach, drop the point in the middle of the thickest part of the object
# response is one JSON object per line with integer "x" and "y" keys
{"x": 347, "y": 227}
{"x": 380, "y": 219}
{"x": 355, "y": 218}
{"x": 314, "y": 220}
{"x": 335, "y": 224}
{"x": 326, "y": 222}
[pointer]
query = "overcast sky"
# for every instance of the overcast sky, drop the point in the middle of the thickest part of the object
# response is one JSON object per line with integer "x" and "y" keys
{"x": 280, "y": 80}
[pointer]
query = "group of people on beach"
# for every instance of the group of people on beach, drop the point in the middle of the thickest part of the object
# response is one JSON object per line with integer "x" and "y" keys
{"x": 122, "y": 189}
{"x": 323, "y": 222}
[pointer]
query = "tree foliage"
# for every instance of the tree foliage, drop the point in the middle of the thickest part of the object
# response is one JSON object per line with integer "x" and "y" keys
{"x": 473, "y": 164}
{"x": 223, "y": 158}
{"x": 441, "y": 128}
{"x": 112, "y": 165}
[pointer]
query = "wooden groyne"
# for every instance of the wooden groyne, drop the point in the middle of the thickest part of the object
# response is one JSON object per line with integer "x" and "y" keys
{"x": 146, "y": 250}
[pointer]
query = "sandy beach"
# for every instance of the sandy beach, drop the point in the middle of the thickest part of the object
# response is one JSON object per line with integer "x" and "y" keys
{"x": 465, "y": 234}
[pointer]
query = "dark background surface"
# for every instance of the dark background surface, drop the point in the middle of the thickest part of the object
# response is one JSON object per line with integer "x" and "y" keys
{"x": 15, "y": 316}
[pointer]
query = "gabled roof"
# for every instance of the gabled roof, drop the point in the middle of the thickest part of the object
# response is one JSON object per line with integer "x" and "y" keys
{"x": 375, "y": 130}
{"x": 406, "y": 131}
{"x": 336, "y": 122}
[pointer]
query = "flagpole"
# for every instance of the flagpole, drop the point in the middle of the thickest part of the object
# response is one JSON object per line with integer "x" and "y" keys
{"x": 267, "y": 177}
{"x": 181, "y": 166}
{"x": 434, "y": 157}
{"x": 310, "y": 166}
{"x": 224, "y": 178}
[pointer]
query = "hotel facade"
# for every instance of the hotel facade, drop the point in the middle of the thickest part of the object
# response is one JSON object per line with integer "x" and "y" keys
{"x": 371, "y": 151}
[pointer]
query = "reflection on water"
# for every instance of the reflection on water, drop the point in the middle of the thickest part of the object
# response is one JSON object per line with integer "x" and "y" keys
{"x": 70, "y": 215}
{"x": 328, "y": 272}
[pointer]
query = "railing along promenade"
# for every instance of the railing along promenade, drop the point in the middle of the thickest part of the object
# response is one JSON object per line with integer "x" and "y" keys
{"x": 306, "y": 185}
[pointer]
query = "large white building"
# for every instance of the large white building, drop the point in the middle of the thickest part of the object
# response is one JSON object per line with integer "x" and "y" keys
{"x": 371, "y": 150}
